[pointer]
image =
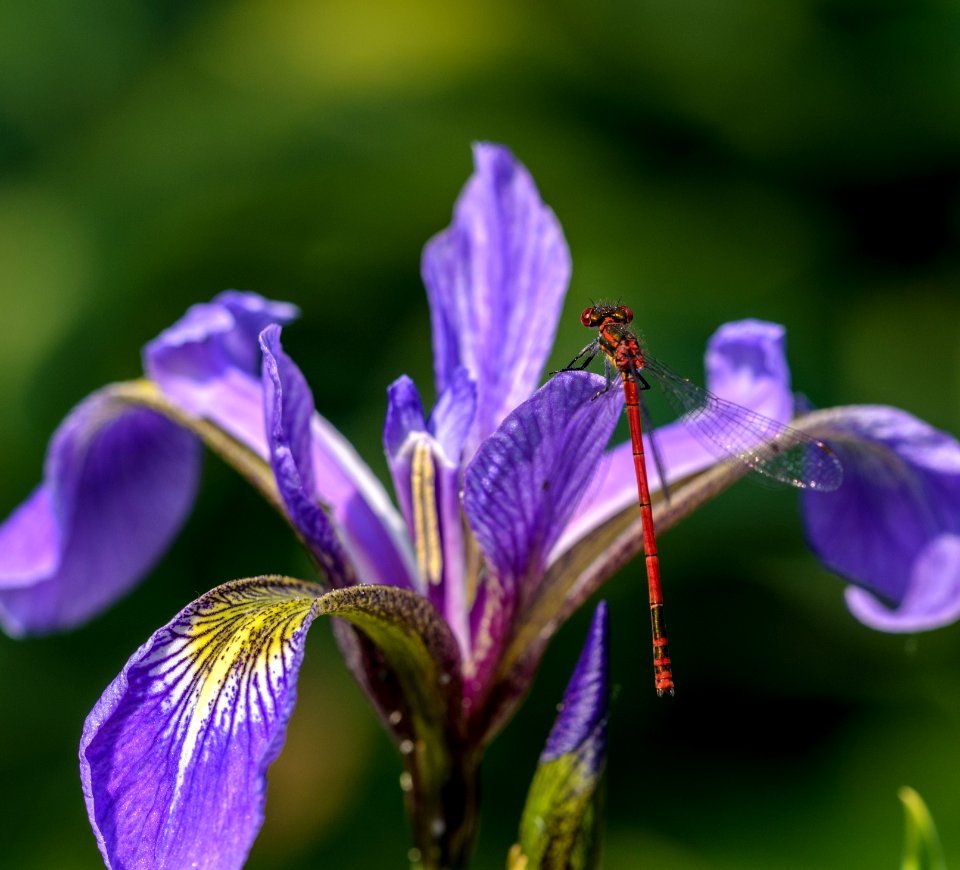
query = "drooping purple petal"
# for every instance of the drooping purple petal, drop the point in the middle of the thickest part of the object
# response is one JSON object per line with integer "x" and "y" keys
{"x": 288, "y": 410}
{"x": 174, "y": 756}
{"x": 932, "y": 599}
{"x": 208, "y": 362}
{"x": 890, "y": 527}
{"x": 322, "y": 478}
{"x": 525, "y": 481}
{"x": 746, "y": 364}
{"x": 496, "y": 279}
{"x": 118, "y": 484}
{"x": 582, "y": 719}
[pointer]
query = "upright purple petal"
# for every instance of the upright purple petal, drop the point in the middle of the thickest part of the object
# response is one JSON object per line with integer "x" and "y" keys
{"x": 173, "y": 758}
{"x": 448, "y": 427}
{"x": 454, "y": 413}
{"x": 404, "y": 426}
{"x": 208, "y": 362}
{"x": 891, "y": 526}
{"x": 496, "y": 279}
{"x": 746, "y": 363}
{"x": 525, "y": 481}
{"x": 322, "y": 478}
{"x": 118, "y": 484}
{"x": 288, "y": 410}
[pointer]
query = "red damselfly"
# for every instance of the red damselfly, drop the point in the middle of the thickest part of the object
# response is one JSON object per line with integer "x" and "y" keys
{"x": 726, "y": 429}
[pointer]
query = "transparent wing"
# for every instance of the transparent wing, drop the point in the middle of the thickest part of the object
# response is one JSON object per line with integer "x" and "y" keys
{"x": 730, "y": 431}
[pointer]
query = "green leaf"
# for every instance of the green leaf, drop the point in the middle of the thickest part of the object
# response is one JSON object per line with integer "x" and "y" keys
{"x": 921, "y": 845}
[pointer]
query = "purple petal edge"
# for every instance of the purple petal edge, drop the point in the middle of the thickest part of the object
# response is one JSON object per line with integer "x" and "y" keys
{"x": 932, "y": 599}
{"x": 326, "y": 486}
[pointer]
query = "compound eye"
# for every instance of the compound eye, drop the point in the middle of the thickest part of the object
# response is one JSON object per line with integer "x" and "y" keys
{"x": 626, "y": 314}
{"x": 587, "y": 317}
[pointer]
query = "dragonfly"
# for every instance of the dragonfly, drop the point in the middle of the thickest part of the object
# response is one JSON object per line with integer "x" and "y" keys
{"x": 727, "y": 430}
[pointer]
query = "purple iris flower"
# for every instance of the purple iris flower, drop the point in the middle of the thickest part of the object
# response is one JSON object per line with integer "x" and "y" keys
{"x": 511, "y": 514}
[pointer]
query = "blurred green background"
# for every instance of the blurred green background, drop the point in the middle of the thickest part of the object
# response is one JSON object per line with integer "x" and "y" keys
{"x": 797, "y": 161}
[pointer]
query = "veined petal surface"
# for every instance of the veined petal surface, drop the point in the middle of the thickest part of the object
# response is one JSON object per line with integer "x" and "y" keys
{"x": 519, "y": 492}
{"x": 208, "y": 362}
{"x": 453, "y": 414}
{"x": 118, "y": 484}
{"x": 525, "y": 481}
{"x": 174, "y": 756}
{"x": 496, "y": 279}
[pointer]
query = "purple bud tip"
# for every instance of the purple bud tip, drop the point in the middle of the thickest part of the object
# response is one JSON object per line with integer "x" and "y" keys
{"x": 583, "y": 713}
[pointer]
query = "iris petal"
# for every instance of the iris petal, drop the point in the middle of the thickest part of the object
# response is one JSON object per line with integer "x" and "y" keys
{"x": 174, "y": 756}
{"x": 118, "y": 484}
{"x": 888, "y": 528}
{"x": 453, "y": 415}
{"x": 288, "y": 409}
{"x": 322, "y": 477}
{"x": 527, "y": 478}
{"x": 932, "y": 599}
{"x": 582, "y": 719}
{"x": 746, "y": 363}
{"x": 208, "y": 362}
{"x": 496, "y": 279}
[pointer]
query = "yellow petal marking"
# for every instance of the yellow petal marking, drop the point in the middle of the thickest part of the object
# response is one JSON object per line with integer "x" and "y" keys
{"x": 426, "y": 523}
